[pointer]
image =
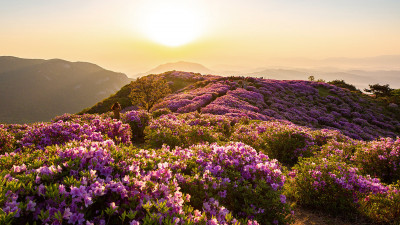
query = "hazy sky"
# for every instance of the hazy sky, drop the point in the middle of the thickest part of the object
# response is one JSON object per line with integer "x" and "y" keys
{"x": 115, "y": 34}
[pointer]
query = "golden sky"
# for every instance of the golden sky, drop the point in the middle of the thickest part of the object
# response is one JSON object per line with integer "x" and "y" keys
{"x": 135, "y": 36}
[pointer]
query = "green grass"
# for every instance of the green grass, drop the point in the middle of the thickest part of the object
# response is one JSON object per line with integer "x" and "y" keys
{"x": 323, "y": 92}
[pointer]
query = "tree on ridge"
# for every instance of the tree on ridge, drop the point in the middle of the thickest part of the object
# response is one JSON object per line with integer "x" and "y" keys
{"x": 147, "y": 91}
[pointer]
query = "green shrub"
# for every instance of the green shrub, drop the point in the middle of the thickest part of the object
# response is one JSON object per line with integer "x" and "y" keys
{"x": 382, "y": 208}
{"x": 7, "y": 141}
{"x": 343, "y": 84}
{"x": 159, "y": 112}
{"x": 330, "y": 185}
{"x": 342, "y": 149}
{"x": 180, "y": 134}
{"x": 380, "y": 158}
{"x": 187, "y": 129}
{"x": 283, "y": 141}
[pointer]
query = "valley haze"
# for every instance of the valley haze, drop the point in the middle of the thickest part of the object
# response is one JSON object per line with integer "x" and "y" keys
{"x": 357, "y": 71}
{"x": 37, "y": 90}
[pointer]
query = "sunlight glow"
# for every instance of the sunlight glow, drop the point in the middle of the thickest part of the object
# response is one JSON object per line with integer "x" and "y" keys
{"x": 172, "y": 23}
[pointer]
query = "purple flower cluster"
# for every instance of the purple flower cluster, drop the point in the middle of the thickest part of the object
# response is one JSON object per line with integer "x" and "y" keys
{"x": 6, "y": 141}
{"x": 231, "y": 105}
{"x": 98, "y": 183}
{"x": 193, "y": 101}
{"x": 85, "y": 118}
{"x": 247, "y": 161}
{"x": 91, "y": 179}
{"x": 46, "y": 134}
{"x": 380, "y": 158}
{"x": 135, "y": 117}
{"x": 332, "y": 184}
{"x": 137, "y": 121}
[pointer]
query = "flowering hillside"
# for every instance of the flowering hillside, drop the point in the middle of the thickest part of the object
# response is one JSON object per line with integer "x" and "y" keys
{"x": 312, "y": 104}
{"x": 176, "y": 80}
{"x": 218, "y": 152}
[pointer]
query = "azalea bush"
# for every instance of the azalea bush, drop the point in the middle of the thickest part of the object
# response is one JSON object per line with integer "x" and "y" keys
{"x": 17, "y": 131}
{"x": 280, "y": 140}
{"x": 380, "y": 158}
{"x": 187, "y": 129}
{"x": 137, "y": 120}
{"x": 342, "y": 149}
{"x": 333, "y": 186}
{"x": 7, "y": 141}
{"x": 382, "y": 208}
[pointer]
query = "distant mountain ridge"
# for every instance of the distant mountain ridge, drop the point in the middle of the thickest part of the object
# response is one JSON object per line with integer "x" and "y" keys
{"x": 358, "y": 71}
{"x": 37, "y": 90}
{"x": 360, "y": 78}
{"x": 180, "y": 66}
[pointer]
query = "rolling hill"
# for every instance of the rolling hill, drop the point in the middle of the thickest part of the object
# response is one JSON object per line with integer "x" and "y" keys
{"x": 312, "y": 104}
{"x": 176, "y": 79}
{"x": 37, "y": 90}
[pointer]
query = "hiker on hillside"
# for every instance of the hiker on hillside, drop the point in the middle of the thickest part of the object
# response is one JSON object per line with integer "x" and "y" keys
{"x": 116, "y": 108}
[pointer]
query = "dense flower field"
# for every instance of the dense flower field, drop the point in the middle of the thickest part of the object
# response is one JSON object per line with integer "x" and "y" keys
{"x": 313, "y": 104}
{"x": 85, "y": 170}
{"x": 73, "y": 171}
{"x": 226, "y": 152}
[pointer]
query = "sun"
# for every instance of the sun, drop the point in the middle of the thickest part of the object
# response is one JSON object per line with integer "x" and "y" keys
{"x": 173, "y": 23}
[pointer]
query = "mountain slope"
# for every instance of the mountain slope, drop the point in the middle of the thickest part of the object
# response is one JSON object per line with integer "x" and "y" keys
{"x": 38, "y": 90}
{"x": 10, "y": 63}
{"x": 176, "y": 80}
{"x": 312, "y": 104}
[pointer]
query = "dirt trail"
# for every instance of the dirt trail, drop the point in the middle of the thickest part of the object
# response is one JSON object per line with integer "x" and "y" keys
{"x": 310, "y": 217}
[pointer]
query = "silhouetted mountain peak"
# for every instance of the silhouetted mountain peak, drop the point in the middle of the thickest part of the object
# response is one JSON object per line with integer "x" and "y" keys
{"x": 37, "y": 90}
{"x": 180, "y": 66}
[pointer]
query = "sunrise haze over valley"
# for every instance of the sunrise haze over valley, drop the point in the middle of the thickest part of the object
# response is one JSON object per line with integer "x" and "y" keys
{"x": 134, "y": 37}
